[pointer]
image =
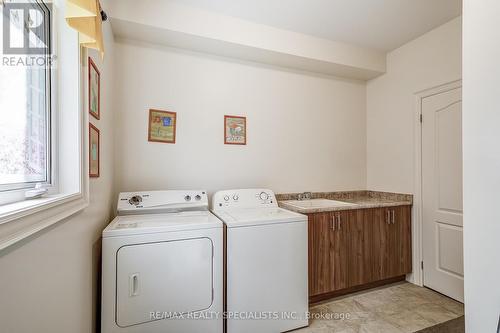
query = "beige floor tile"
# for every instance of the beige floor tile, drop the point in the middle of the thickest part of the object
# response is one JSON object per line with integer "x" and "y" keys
{"x": 370, "y": 302}
{"x": 350, "y": 309}
{"x": 455, "y": 307}
{"x": 434, "y": 312}
{"x": 397, "y": 308}
{"x": 408, "y": 321}
{"x": 330, "y": 326}
{"x": 379, "y": 326}
{"x": 428, "y": 294}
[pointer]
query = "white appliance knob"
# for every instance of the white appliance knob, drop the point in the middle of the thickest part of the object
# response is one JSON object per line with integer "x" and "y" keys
{"x": 187, "y": 198}
{"x": 263, "y": 196}
{"x": 235, "y": 197}
{"x": 197, "y": 197}
{"x": 226, "y": 198}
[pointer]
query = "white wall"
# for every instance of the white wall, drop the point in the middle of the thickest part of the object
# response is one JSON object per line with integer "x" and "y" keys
{"x": 428, "y": 61}
{"x": 481, "y": 138}
{"x": 48, "y": 283}
{"x": 305, "y": 132}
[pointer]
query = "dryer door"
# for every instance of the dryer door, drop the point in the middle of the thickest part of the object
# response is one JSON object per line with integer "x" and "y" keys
{"x": 165, "y": 277}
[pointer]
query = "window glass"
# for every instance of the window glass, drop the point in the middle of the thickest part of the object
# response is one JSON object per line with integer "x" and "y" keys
{"x": 24, "y": 115}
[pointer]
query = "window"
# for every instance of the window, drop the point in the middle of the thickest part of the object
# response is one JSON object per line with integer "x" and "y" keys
{"x": 43, "y": 123}
{"x": 25, "y": 103}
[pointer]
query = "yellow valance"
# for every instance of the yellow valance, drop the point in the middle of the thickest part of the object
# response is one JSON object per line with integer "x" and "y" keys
{"x": 85, "y": 17}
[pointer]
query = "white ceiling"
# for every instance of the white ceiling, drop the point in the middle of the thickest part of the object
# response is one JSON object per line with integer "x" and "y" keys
{"x": 379, "y": 24}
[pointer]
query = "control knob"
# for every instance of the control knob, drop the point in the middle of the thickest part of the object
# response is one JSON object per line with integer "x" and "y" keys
{"x": 263, "y": 196}
{"x": 135, "y": 200}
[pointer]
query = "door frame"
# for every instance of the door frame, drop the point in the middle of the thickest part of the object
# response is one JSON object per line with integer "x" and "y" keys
{"x": 417, "y": 277}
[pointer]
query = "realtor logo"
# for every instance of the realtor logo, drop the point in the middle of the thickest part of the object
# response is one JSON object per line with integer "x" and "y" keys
{"x": 26, "y": 28}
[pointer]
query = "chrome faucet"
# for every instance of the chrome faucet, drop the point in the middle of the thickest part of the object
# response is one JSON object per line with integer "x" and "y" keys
{"x": 304, "y": 196}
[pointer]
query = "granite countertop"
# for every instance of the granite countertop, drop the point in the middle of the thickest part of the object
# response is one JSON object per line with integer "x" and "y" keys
{"x": 355, "y": 200}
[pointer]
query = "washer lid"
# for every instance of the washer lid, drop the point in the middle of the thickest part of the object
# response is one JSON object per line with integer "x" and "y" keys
{"x": 258, "y": 216}
{"x": 154, "y": 223}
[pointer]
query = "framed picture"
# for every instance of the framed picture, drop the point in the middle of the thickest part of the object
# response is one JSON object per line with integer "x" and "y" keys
{"x": 94, "y": 151}
{"x": 235, "y": 130}
{"x": 162, "y": 126}
{"x": 94, "y": 90}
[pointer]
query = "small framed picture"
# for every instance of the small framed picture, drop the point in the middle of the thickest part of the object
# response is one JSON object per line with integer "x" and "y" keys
{"x": 94, "y": 90}
{"x": 235, "y": 130}
{"x": 94, "y": 151}
{"x": 162, "y": 125}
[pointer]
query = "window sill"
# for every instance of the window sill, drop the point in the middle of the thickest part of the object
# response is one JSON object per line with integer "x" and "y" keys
{"x": 22, "y": 219}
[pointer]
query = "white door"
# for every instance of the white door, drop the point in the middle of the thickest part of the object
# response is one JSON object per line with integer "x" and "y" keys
{"x": 442, "y": 193}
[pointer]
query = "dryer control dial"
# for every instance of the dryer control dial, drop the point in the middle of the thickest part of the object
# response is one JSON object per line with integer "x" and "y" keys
{"x": 135, "y": 200}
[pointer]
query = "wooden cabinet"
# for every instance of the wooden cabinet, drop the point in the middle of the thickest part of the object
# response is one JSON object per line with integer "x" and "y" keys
{"x": 356, "y": 249}
{"x": 402, "y": 223}
{"x": 339, "y": 240}
{"x": 320, "y": 276}
{"x": 360, "y": 264}
{"x": 391, "y": 241}
{"x": 328, "y": 246}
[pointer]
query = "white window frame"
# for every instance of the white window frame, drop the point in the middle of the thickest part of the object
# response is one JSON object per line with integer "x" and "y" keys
{"x": 11, "y": 193}
{"x": 70, "y": 182}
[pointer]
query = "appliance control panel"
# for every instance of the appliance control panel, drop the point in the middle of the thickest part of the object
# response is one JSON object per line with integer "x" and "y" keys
{"x": 161, "y": 201}
{"x": 244, "y": 198}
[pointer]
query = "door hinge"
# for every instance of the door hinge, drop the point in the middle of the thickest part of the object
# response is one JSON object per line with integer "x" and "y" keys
{"x": 422, "y": 265}
{"x": 421, "y": 118}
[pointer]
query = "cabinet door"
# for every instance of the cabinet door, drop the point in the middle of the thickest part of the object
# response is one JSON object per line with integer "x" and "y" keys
{"x": 391, "y": 242}
{"x": 402, "y": 226}
{"x": 383, "y": 244}
{"x": 320, "y": 278}
{"x": 328, "y": 252}
{"x": 360, "y": 255}
{"x": 393, "y": 249}
{"x": 340, "y": 249}
{"x": 399, "y": 234}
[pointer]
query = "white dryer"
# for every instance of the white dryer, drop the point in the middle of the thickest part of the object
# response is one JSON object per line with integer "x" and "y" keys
{"x": 266, "y": 262}
{"x": 162, "y": 265}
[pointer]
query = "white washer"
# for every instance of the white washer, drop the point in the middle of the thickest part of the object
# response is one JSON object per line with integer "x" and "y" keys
{"x": 162, "y": 268}
{"x": 266, "y": 262}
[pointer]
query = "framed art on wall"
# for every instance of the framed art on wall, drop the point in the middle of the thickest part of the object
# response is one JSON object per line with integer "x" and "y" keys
{"x": 94, "y": 90}
{"x": 162, "y": 126}
{"x": 94, "y": 151}
{"x": 235, "y": 130}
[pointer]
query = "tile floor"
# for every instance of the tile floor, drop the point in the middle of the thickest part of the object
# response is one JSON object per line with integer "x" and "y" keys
{"x": 397, "y": 308}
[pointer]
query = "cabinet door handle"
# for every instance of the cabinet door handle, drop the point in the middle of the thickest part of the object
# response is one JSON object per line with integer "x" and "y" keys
{"x": 332, "y": 223}
{"x": 393, "y": 218}
{"x": 340, "y": 221}
{"x": 388, "y": 217}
